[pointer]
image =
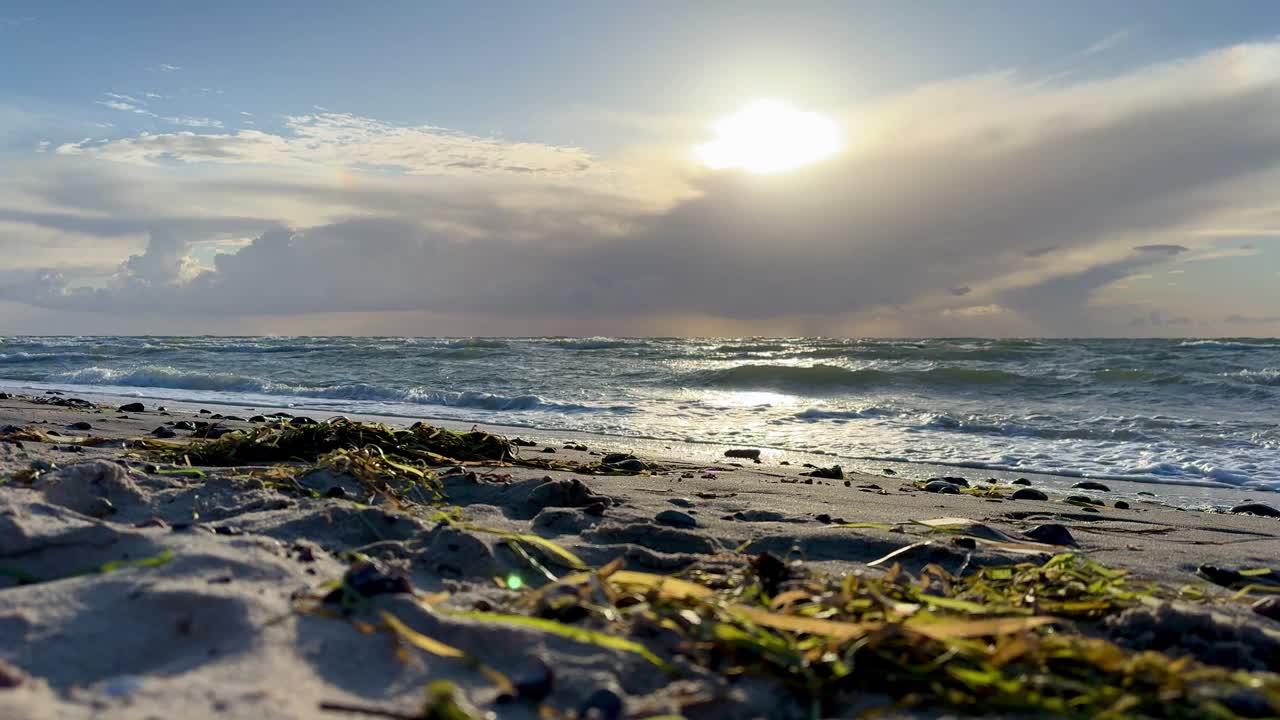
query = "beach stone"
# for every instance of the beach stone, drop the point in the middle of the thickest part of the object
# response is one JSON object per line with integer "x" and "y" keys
{"x": 84, "y": 487}
{"x": 1091, "y": 485}
{"x": 258, "y": 419}
{"x": 184, "y": 425}
{"x": 1022, "y": 481}
{"x": 681, "y": 502}
{"x": 82, "y": 425}
{"x": 746, "y": 454}
{"x": 1268, "y": 607}
{"x": 548, "y": 449}
{"x": 759, "y": 516}
{"x": 835, "y": 472}
{"x": 164, "y": 432}
{"x": 615, "y": 458}
{"x": 1144, "y": 493}
{"x": 603, "y": 704}
{"x": 1122, "y": 505}
{"x": 132, "y": 407}
{"x": 1082, "y": 499}
{"x": 675, "y": 518}
{"x": 1028, "y": 494}
{"x": 1051, "y": 534}
{"x": 955, "y": 480}
{"x": 630, "y": 465}
{"x": 941, "y": 486}
{"x": 302, "y": 420}
{"x": 1256, "y": 508}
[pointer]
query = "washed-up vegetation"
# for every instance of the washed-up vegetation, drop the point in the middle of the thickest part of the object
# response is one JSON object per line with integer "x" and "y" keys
{"x": 309, "y": 442}
{"x": 1017, "y": 638}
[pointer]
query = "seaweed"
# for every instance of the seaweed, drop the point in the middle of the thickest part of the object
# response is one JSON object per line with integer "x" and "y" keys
{"x": 280, "y": 442}
{"x": 1020, "y": 637}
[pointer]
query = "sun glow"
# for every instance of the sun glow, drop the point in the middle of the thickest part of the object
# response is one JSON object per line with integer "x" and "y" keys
{"x": 769, "y": 136}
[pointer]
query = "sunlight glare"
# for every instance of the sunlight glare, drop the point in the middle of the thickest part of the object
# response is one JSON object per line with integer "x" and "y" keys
{"x": 769, "y": 136}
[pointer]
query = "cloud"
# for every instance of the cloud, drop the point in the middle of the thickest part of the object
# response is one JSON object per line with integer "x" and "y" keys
{"x": 127, "y": 103}
{"x": 165, "y": 67}
{"x": 986, "y": 203}
{"x": 345, "y": 140}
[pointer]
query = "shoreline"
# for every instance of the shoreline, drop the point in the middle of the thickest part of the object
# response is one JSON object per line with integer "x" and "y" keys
{"x": 1187, "y": 494}
{"x": 194, "y": 602}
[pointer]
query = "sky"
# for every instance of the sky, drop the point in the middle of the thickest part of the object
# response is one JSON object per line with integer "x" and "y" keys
{"x": 513, "y": 168}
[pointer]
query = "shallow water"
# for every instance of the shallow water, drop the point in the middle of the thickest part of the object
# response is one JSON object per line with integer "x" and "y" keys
{"x": 1172, "y": 411}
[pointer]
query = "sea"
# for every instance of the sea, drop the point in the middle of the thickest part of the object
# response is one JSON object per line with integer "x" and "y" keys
{"x": 1163, "y": 412}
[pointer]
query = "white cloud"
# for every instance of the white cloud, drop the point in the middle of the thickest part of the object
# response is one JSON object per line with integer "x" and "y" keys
{"x": 345, "y": 140}
{"x": 165, "y": 67}
{"x": 42, "y": 146}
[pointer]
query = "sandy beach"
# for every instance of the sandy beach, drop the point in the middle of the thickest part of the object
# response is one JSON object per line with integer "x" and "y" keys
{"x": 134, "y": 585}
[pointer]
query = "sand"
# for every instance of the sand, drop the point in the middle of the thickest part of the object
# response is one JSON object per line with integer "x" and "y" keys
{"x": 208, "y": 623}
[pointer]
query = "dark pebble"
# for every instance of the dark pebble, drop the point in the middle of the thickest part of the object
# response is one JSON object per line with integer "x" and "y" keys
{"x": 1022, "y": 481}
{"x": 1051, "y": 534}
{"x": 521, "y": 442}
{"x": 302, "y": 420}
{"x": 1144, "y": 493}
{"x": 675, "y": 518}
{"x": 1268, "y": 607}
{"x": 956, "y": 481}
{"x": 1256, "y": 508}
{"x": 82, "y": 425}
{"x": 203, "y": 411}
{"x": 823, "y": 518}
{"x": 1027, "y": 493}
{"x": 216, "y": 416}
{"x": 366, "y": 579}
{"x": 258, "y": 419}
{"x": 227, "y": 530}
{"x": 631, "y": 465}
{"x": 612, "y": 458}
{"x": 835, "y": 472}
{"x": 1082, "y": 499}
{"x": 184, "y": 425}
{"x": 164, "y": 432}
{"x": 601, "y": 705}
{"x": 681, "y": 502}
{"x": 337, "y": 492}
{"x": 888, "y": 471}
{"x": 535, "y": 682}
{"x": 548, "y": 450}
{"x": 751, "y": 454}
{"x": 941, "y": 486}
{"x": 132, "y": 407}
{"x": 1091, "y": 485}
{"x": 1122, "y": 505}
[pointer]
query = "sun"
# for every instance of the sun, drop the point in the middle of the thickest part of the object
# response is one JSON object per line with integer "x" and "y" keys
{"x": 769, "y": 136}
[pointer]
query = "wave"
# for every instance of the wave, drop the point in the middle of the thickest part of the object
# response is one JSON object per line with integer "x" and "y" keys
{"x": 1265, "y": 376}
{"x": 596, "y": 343}
{"x": 171, "y": 378}
{"x": 29, "y": 357}
{"x": 492, "y": 343}
{"x": 799, "y": 378}
{"x": 1229, "y": 344}
{"x": 824, "y": 414}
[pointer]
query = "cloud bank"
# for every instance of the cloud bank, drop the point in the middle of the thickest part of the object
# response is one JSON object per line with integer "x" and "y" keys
{"x": 984, "y": 205}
